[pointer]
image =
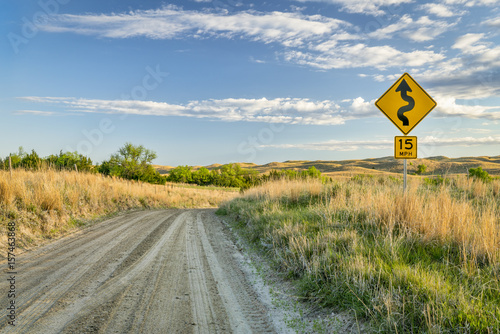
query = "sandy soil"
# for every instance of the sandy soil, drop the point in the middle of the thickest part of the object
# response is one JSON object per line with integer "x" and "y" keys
{"x": 168, "y": 271}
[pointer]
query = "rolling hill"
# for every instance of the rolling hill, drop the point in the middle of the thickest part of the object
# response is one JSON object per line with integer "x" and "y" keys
{"x": 439, "y": 165}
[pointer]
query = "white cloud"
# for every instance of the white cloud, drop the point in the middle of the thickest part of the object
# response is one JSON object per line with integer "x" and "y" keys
{"x": 35, "y": 112}
{"x": 448, "y": 106}
{"x": 471, "y": 130}
{"x": 369, "y": 7}
{"x": 462, "y": 141}
{"x": 493, "y": 22}
{"x": 362, "y": 107}
{"x": 468, "y": 43}
{"x": 312, "y": 40}
{"x": 421, "y": 30}
{"x": 440, "y": 10}
{"x": 289, "y": 29}
{"x": 471, "y": 3}
{"x": 258, "y": 61}
{"x": 279, "y": 110}
{"x": 354, "y": 145}
{"x": 361, "y": 55}
{"x": 473, "y": 73}
{"x": 375, "y": 7}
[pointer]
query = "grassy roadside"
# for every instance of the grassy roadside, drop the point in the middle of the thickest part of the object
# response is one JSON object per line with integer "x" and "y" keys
{"x": 425, "y": 262}
{"x": 47, "y": 204}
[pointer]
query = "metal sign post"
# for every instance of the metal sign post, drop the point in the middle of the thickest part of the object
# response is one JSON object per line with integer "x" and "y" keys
{"x": 404, "y": 177}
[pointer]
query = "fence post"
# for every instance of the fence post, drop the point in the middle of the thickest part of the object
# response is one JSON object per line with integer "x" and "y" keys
{"x": 76, "y": 168}
{"x": 10, "y": 166}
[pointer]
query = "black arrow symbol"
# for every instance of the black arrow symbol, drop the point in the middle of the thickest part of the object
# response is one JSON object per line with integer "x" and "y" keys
{"x": 404, "y": 89}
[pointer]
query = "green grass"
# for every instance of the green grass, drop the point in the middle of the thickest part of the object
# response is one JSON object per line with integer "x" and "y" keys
{"x": 359, "y": 257}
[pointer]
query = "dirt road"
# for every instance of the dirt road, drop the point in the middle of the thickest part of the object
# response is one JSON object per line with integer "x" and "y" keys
{"x": 169, "y": 271}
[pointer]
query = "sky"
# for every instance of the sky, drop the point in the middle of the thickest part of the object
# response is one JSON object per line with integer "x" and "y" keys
{"x": 220, "y": 81}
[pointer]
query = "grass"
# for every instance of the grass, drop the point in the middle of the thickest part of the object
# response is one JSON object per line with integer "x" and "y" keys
{"x": 47, "y": 204}
{"x": 426, "y": 261}
{"x": 195, "y": 186}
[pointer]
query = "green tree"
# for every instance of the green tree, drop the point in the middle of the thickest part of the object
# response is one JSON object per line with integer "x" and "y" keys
{"x": 31, "y": 161}
{"x": 181, "y": 174}
{"x": 312, "y": 172}
{"x": 421, "y": 169}
{"x": 202, "y": 177}
{"x": 68, "y": 160}
{"x": 134, "y": 163}
{"x": 15, "y": 158}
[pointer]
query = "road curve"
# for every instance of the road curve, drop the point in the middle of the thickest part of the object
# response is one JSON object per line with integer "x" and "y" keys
{"x": 168, "y": 271}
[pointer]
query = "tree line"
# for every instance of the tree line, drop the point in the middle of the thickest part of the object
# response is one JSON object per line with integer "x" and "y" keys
{"x": 64, "y": 160}
{"x": 133, "y": 162}
{"x": 232, "y": 175}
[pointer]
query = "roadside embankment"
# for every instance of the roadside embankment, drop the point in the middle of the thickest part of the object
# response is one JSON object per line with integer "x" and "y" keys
{"x": 424, "y": 261}
{"x": 47, "y": 204}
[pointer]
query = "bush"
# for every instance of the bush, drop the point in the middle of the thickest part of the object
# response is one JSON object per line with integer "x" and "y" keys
{"x": 360, "y": 178}
{"x": 438, "y": 180}
{"x": 421, "y": 169}
{"x": 68, "y": 160}
{"x": 31, "y": 161}
{"x": 480, "y": 174}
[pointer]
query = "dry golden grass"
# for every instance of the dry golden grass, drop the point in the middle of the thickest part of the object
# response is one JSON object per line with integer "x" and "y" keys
{"x": 46, "y": 204}
{"x": 424, "y": 262}
{"x": 471, "y": 220}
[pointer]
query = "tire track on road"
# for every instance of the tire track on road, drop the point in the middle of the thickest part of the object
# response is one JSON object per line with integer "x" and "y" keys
{"x": 106, "y": 291}
{"x": 169, "y": 271}
{"x": 246, "y": 314}
{"x": 53, "y": 286}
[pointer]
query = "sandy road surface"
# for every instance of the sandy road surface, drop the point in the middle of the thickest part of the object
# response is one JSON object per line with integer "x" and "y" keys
{"x": 169, "y": 271}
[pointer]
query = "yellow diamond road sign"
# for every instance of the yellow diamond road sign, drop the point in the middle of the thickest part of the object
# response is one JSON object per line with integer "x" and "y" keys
{"x": 405, "y": 103}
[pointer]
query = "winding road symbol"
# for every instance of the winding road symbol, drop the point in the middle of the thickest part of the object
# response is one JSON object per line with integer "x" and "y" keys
{"x": 404, "y": 89}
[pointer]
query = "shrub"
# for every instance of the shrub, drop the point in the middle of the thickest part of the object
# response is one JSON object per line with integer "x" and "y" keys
{"x": 480, "y": 174}
{"x": 421, "y": 169}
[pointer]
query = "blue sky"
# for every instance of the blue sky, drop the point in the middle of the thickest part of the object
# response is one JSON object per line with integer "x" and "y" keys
{"x": 219, "y": 81}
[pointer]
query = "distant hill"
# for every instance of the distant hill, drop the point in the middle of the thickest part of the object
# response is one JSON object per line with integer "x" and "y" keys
{"x": 435, "y": 165}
